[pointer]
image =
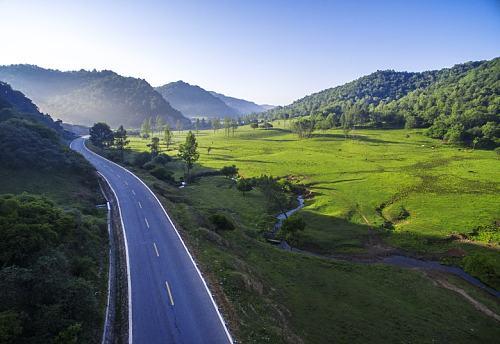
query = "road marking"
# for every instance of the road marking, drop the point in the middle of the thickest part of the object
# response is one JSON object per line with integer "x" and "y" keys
{"x": 156, "y": 249}
{"x": 118, "y": 176}
{"x": 140, "y": 205}
{"x": 133, "y": 192}
{"x": 147, "y": 223}
{"x": 126, "y": 183}
{"x": 223, "y": 323}
{"x": 169, "y": 293}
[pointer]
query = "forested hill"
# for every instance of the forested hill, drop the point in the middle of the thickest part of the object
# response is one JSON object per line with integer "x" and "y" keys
{"x": 194, "y": 101}
{"x": 242, "y": 106}
{"x": 455, "y": 102}
{"x": 52, "y": 238}
{"x": 86, "y": 97}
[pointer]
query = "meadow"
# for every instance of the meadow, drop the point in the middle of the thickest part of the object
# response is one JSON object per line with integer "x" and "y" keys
{"x": 358, "y": 185}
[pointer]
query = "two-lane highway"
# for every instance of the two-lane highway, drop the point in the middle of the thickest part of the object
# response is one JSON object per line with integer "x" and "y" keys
{"x": 169, "y": 301}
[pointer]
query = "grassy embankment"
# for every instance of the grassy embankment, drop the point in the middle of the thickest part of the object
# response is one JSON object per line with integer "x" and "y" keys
{"x": 277, "y": 296}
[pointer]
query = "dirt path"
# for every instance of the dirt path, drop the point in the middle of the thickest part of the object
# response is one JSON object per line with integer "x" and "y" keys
{"x": 478, "y": 305}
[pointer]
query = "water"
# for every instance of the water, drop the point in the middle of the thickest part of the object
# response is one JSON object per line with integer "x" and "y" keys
{"x": 397, "y": 260}
{"x": 408, "y": 262}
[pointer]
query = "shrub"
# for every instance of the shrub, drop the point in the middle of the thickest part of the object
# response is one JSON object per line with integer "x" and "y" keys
{"x": 162, "y": 173}
{"x": 162, "y": 159}
{"x": 142, "y": 158}
{"x": 221, "y": 222}
{"x": 149, "y": 165}
{"x": 229, "y": 171}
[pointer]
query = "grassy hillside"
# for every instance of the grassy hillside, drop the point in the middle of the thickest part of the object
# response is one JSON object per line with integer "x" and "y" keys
{"x": 274, "y": 296}
{"x": 85, "y": 97}
{"x": 459, "y": 104}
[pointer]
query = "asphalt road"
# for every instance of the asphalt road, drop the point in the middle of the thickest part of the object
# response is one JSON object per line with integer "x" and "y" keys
{"x": 168, "y": 298}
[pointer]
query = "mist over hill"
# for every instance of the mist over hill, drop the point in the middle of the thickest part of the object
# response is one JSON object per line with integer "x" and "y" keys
{"x": 85, "y": 97}
{"x": 194, "y": 101}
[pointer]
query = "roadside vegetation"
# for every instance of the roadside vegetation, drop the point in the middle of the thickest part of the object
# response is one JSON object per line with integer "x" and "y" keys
{"x": 53, "y": 240}
{"x": 368, "y": 192}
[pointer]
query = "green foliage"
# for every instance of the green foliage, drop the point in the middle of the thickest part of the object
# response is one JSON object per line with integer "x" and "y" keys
{"x": 486, "y": 266}
{"x": 86, "y": 97}
{"x": 244, "y": 185}
{"x": 154, "y": 146}
{"x": 101, "y": 135}
{"x": 121, "y": 140}
{"x": 221, "y": 222}
{"x": 456, "y": 103}
{"x": 291, "y": 229}
{"x": 162, "y": 173}
{"x": 188, "y": 151}
{"x": 229, "y": 171}
{"x": 303, "y": 127}
{"x": 141, "y": 158}
{"x": 49, "y": 261}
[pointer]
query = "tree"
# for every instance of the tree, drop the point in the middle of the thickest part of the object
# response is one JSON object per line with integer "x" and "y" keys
{"x": 244, "y": 185}
{"x": 167, "y": 135}
{"x": 178, "y": 125}
{"x": 101, "y": 135}
{"x": 347, "y": 122}
{"x": 234, "y": 125}
{"x": 121, "y": 140}
{"x": 154, "y": 146}
{"x": 227, "y": 126}
{"x": 229, "y": 171}
{"x": 273, "y": 193}
{"x": 146, "y": 128}
{"x": 188, "y": 152}
{"x": 303, "y": 127}
{"x": 159, "y": 123}
{"x": 197, "y": 125}
{"x": 291, "y": 228}
{"x": 254, "y": 125}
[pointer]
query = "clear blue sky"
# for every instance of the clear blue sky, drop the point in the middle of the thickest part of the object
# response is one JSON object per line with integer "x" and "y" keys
{"x": 265, "y": 51}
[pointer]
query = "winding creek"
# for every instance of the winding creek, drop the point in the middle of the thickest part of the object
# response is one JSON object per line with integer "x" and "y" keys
{"x": 396, "y": 260}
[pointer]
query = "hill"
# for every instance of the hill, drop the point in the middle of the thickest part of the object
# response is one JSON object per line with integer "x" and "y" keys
{"x": 194, "y": 101}
{"x": 450, "y": 96}
{"x": 243, "y": 107}
{"x": 85, "y": 97}
{"x": 53, "y": 241}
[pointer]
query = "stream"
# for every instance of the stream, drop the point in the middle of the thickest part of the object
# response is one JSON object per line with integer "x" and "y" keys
{"x": 396, "y": 260}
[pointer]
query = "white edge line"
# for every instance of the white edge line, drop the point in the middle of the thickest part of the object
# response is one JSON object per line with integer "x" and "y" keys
{"x": 129, "y": 285}
{"x": 180, "y": 238}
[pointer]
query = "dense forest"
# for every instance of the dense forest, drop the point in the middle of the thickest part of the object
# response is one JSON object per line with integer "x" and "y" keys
{"x": 458, "y": 104}
{"x": 85, "y": 97}
{"x": 53, "y": 241}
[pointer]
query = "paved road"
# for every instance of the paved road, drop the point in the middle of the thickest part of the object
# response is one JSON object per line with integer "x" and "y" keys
{"x": 168, "y": 298}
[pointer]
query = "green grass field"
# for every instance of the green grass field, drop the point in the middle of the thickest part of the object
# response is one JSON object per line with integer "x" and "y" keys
{"x": 275, "y": 296}
{"x": 445, "y": 189}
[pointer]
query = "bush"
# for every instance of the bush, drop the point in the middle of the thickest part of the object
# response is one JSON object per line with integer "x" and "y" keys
{"x": 162, "y": 159}
{"x": 142, "y": 158}
{"x": 162, "y": 173}
{"x": 229, "y": 171}
{"x": 221, "y": 222}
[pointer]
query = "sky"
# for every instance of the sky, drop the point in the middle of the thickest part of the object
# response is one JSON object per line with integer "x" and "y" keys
{"x": 267, "y": 51}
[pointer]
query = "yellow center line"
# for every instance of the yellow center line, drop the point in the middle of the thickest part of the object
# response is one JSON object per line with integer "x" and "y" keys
{"x": 169, "y": 293}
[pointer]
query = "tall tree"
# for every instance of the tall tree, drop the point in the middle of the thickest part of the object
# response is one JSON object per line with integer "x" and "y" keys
{"x": 167, "y": 135}
{"x": 197, "y": 125}
{"x": 188, "y": 152}
{"x": 159, "y": 124}
{"x": 154, "y": 146}
{"x": 121, "y": 140}
{"x": 101, "y": 135}
{"x": 146, "y": 128}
